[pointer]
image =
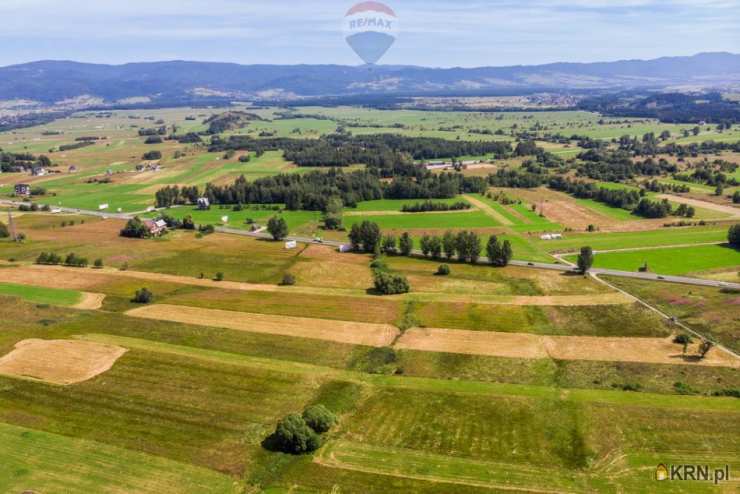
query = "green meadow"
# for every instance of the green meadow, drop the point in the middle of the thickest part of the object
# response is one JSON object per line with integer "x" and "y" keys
{"x": 40, "y": 295}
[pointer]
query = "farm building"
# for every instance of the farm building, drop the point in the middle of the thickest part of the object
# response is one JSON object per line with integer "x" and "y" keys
{"x": 38, "y": 172}
{"x": 22, "y": 190}
{"x": 155, "y": 227}
{"x": 551, "y": 236}
{"x": 72, "y": 169}
{"x": 204, "y": 203}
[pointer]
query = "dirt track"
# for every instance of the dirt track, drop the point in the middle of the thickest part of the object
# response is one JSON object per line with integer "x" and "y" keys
{"x": 90, "y": 301}
{"x": 488, "y": 210}
{"x": 60, "y": 361}
{"x": 529, "y": 346}
{"x": 354, "y": 333}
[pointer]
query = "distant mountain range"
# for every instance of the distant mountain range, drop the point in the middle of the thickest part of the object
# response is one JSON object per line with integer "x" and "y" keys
{"x": 63, "y": 83}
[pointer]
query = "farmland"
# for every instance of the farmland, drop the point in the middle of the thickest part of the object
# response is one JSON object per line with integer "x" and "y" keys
{"x": 478, "y": 378}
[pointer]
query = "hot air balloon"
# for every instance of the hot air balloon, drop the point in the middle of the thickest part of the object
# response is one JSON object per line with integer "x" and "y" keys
{"x": 370, "y": 29}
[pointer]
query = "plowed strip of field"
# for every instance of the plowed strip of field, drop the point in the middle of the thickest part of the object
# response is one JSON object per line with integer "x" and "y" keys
{"x": 488, "y": 210}
{"x": 60, "y": 361}
{"x": 90, "y": 301}
{"x": 529, "y": 346}
{"x": 720, "y": 208}
{"x": 354, "y": 333}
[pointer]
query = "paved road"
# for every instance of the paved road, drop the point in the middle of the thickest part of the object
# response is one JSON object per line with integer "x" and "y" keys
{"x": 563, "y": 267}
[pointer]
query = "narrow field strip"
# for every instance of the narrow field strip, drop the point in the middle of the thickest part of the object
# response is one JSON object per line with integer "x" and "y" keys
{"x": 719, "y": 208}
{"x": 463, "y": 387}
{"x": 488, "y": 210}
{"x": 407, "y": 463}
{"x": 403, "y": 213}
{"x": 530, "y": 346}
{"x": 50, "y": 462}
{"x": 355, "y": 333}
{"x": 49, "y": 276}
{"x": 59, "y": 361}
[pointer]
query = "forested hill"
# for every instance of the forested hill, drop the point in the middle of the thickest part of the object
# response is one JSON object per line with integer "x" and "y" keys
{"x": 54, "y": 81}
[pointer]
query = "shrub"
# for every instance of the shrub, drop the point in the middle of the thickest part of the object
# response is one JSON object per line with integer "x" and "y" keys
{"x": 443, "y": 270}
{"x": 288, "y": 280}
{"x": 4, "y": 232}
{"x": 152, "y": 156}
{"x": 319, "y": 418}
{"x": 219, "y": 276}
{"x": 143, "y": 296}
{"x": 391, "y": 283}
{"x": 682, "y": 339}
{"x": 98, "y": 263}
{"x": 406, "y": 244}
{"x": 293, "y": 435}
{"x": 75, "y": 261}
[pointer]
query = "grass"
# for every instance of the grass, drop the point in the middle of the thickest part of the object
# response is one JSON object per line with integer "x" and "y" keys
{"x": 475, "y": 219}
{"x": 629, "y": 240}
{"x": 671, "y": 261}
{"x": 706, "y": 310}
{"x": 397, "y": 204}
{"x": 40, "y": 295}
{"x": 54, "y": 463}
{"x": 237, "y": 219}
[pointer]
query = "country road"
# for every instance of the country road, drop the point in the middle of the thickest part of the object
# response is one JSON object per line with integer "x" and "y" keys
{"x": 483, "y": 260}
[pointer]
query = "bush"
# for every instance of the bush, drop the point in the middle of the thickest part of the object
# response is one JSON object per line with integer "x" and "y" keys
{"x": 288, "y": 280}
{"x": 219, "y": 276}
{"x": 143, "y": 296}
{"x": 443, "y": 270}
{"x": 293, "y": 435}
{"x": 73, "y": 260}
{"x": 152, "y": 156}
{"x": 319, "y": 418}
{"x": 4, "y": 232}
{"x": 682, "y": 339}
{"x": 98, "y": 263}
{"x": 391, "y": 283}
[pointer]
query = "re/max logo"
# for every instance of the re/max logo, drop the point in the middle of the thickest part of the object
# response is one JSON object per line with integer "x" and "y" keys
{"x": 370, "y": 22}
{"x": 700, "y": 473}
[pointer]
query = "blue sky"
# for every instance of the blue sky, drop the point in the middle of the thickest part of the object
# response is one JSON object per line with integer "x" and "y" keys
{"x": 439, "y": 33}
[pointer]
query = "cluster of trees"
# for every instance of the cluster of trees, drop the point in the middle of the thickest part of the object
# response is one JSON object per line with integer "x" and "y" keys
{"x": 426, "y": 206}
{"x": 301, "y": 433}
{"x": 228, "y": 121}
{"x": 383, "y": 151}
{"x": 365, "y": 237}
{"x": 617, "y": 166}
{"x": 313, "y": 191}
{"x": 277, "y": 227}
{"x": 655, "y": 186}
{"x": 71, "y": 259}
{"x": 516, "y": 178}
{"x": 618, "y": 198}
{"x": 160, "y": 131}
{"x": 653, "y": 209}
{"x": 21, "y": 162}
{"x": 135, "y": 228}
{"x": 143, "y": 296}
{"x": 76, "y": 145}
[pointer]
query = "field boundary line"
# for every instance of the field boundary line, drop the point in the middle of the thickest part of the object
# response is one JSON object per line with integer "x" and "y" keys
{"x": 488, "y": 210}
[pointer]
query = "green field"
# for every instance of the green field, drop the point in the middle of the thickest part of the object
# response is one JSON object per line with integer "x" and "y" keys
{"x": 671, "y": 261}
{"x": 39, "y": 295}
{"x": 410, "y": 221}
{"x": 397, "y": 204}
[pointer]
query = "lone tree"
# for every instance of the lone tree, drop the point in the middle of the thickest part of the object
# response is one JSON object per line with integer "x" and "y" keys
{"x": 733, "y": 236}
{"x": 585, "y": 259}
{"x": 277, "y": 227}
{"x": 333, "y": 214}
{"x": 406, "y": 244}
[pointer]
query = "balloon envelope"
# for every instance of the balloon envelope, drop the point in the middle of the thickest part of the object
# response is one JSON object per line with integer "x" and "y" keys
{"x": 370, "y": 29}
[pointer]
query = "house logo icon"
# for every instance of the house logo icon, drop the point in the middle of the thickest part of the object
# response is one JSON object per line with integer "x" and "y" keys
{"x": 661, "y": 473}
